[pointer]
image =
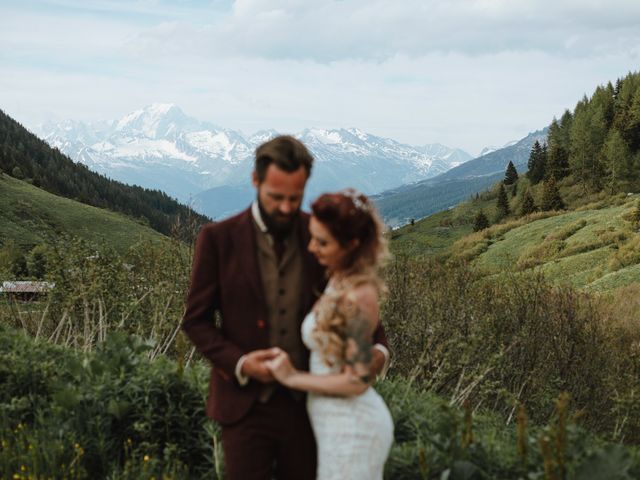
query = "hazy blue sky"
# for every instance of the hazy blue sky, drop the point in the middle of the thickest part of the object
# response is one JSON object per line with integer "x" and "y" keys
{"x": 466, "y": 73}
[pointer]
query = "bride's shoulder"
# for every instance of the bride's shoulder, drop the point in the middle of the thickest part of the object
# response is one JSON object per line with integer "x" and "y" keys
{"x": 365, "y": 296}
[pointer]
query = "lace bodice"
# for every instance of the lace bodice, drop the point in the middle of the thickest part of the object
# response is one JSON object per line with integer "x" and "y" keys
{"x": 353, "y": 434}
{"x": 316, "y": 363}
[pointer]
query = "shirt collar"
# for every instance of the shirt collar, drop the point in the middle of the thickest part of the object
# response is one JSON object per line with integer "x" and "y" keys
{"x": 257, "y": 217}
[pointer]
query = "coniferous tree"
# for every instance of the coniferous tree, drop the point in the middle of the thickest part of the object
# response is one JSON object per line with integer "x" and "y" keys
{"x": 632, "y": 126}
{"x": 511, "y": 174}
{"x": 480, "y": 222}
{"x": 502, "y": 204}
{"x": 528, "y": 204}
{"x": 617, "y": 158}
{"x": 557, "y": 162}
{"x": 551, "y": 199}
{"x": 536, "y": 164}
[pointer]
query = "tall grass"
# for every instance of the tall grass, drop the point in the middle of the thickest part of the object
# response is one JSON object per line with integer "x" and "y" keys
{"x": 114, "y": 413}
{"x": 98, "y": 291}
{"x": 514, "y": 339}
{"x": 462, "y": 344}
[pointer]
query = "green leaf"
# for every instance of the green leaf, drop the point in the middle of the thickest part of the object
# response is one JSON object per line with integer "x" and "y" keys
{"x": 612, "y": 462}
{"x": 118, "y": 408}
{"x": 465, "y": 470}
{"x": 67, "y": 397}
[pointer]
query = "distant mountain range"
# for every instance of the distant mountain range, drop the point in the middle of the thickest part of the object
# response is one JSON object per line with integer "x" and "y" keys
{"x": 209, "y": 167}
{"x": 417, "y": 200}
{"x": 26, "y": 157}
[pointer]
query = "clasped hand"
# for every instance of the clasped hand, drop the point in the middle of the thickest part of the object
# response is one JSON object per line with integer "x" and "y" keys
{"x": 267, "y": 365}
{"x": 280, "y": 365}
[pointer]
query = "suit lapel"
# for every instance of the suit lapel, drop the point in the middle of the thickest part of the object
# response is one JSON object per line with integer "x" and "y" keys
{"x": 247, "y": 243}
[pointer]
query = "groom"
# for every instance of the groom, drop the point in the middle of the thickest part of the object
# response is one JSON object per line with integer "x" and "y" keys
{"x": 255, "y": 272}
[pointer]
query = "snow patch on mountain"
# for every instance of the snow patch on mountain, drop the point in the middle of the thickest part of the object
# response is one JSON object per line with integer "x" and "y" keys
{"x": 159, "y": 146}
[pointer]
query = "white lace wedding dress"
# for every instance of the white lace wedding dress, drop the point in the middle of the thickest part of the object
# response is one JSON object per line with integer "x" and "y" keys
{"x": 353, "y": 434}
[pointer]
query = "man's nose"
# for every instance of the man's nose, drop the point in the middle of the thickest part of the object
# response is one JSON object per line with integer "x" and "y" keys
{"x": 286, "y": 206}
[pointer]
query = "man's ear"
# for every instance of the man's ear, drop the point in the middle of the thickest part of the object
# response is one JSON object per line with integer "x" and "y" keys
{"x": 254, "y": 179}
{"x": 353, "y": 244}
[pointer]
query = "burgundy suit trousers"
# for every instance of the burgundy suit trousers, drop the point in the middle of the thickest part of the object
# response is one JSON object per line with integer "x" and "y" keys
{"x": 274, "y": 440}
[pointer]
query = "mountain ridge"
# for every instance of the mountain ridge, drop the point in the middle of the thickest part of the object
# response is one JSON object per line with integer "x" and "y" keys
{"x": 159, "y": 142}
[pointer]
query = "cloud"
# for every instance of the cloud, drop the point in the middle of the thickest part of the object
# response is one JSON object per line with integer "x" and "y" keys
{"x": 376, "y": 30}
{"x": 464, "y": 73}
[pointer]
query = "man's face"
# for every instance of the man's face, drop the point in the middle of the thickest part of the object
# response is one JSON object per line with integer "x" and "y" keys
{"x": 280, "y": 196}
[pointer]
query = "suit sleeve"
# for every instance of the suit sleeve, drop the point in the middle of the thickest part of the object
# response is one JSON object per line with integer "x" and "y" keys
{"x": 380, "y": 337}
{"x": 202, "y": 302}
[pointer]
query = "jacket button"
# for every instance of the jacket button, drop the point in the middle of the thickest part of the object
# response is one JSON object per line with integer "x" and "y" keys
{"x": 261, "y": 323}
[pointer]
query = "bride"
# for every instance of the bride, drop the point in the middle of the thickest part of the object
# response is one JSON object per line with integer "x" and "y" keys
{"x": 351, "y": 423}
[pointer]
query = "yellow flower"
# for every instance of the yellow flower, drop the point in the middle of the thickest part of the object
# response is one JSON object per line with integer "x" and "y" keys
{"x": 146, "y": 458}
{"x": 23, "y": 468}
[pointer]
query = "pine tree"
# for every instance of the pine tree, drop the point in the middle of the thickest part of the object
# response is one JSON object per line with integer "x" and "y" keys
{"x": 502, "y": 204}
{"x": 528, "y": 204}
{"x": 632, "y": 125}
{"x": 551, "y": 199}
{"x": 511, "y": 175}
{"x": 536, "y": 164}
{"x": 480, "y": 222}
{"x": 557, "y": 163}
{"x": 617, "y": 158}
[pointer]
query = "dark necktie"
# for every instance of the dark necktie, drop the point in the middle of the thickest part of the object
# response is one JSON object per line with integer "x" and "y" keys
{"x": 278, "y": 247}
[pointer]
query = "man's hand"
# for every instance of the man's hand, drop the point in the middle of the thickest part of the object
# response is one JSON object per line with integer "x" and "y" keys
{"x": 254, "y": 365}
{"x": 281, "y": 367}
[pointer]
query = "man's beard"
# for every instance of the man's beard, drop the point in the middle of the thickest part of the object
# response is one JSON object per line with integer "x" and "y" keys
{"x": 278, "y": 225}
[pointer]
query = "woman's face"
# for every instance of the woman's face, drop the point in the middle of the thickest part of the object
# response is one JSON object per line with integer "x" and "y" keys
{"x": 325, "y": 246}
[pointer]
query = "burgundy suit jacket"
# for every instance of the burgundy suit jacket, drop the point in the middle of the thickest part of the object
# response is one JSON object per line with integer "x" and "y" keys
{"x": 226, "y": 278}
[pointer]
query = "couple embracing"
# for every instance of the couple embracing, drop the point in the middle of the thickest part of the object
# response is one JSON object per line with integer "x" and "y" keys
{"x": 297, "y": 339}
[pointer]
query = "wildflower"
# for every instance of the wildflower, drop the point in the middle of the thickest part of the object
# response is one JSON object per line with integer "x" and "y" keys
{"x": 146, "y": 458}
{"x": 23, "y": 468}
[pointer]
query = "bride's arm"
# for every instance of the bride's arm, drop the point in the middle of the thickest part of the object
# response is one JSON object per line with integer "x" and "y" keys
{"x": 349, "y": 381}
{"x": 345, "y": 383}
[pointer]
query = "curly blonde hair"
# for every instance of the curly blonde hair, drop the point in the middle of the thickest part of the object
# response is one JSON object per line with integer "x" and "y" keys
{"x": 342, "y": 331}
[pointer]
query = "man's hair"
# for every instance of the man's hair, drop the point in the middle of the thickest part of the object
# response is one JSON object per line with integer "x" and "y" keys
{"x": 286, "y": 152}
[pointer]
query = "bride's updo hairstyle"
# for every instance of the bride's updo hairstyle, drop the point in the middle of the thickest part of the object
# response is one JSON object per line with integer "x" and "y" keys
{"x": 349, "y": 215}
{"x": 340, "y": 326}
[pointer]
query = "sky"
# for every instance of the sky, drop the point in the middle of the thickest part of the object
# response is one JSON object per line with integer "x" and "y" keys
{"x": 464, "y": 73}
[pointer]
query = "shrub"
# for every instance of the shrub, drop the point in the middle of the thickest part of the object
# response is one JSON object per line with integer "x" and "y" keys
{"x": 495, "y": 341}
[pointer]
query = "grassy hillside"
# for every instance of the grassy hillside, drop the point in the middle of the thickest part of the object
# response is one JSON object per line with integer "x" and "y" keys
{"x": 593, "y": 245}
{"x": 26, "y": 157}
{"x": 29, "y": 215}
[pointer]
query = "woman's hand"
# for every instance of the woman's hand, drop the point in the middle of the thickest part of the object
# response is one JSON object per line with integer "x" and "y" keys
{"x": 281, "y": 367}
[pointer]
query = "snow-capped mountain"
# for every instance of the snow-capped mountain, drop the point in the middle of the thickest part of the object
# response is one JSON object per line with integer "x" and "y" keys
{"x": 491, "y": 148}
{"x": 160, "y": 147}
